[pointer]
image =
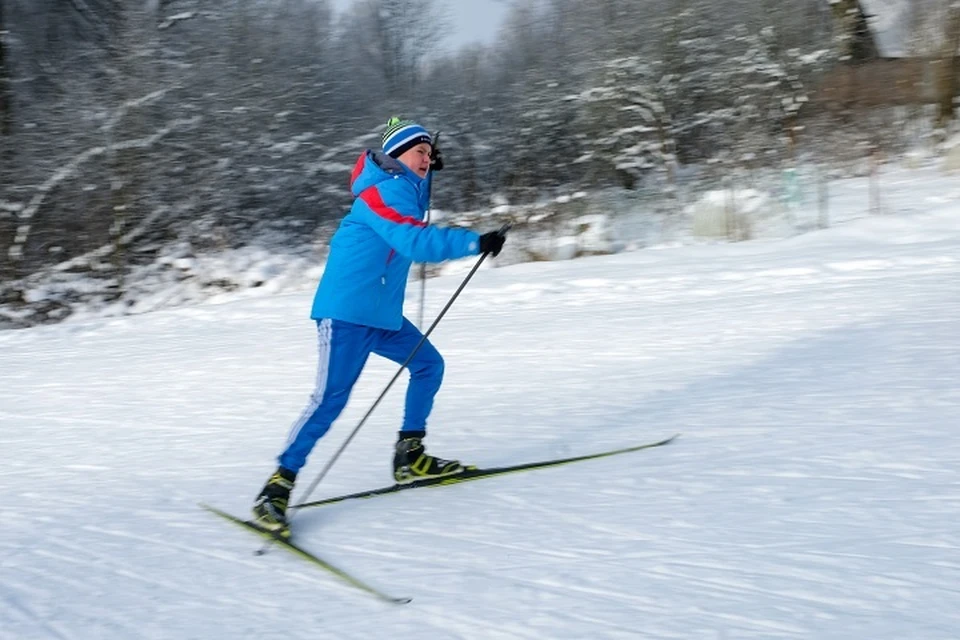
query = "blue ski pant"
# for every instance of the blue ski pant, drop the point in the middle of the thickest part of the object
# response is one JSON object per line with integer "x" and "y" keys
{"x": 343, "y": 351}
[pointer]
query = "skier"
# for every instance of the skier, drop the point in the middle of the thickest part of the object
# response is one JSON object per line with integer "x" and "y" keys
{"x": 358, "y": 308}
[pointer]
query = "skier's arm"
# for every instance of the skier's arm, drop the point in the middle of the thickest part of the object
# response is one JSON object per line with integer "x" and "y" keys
{"x": 391, "y": 210}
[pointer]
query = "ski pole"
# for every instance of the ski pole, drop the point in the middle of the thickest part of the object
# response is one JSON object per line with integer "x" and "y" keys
{"x": 423, "y": 292}
{"x": 502, "y": 231}
{"x": 423, "y": 265}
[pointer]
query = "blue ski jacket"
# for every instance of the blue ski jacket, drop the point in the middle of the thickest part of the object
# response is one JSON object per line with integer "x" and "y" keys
{"x": 365, "y": 278}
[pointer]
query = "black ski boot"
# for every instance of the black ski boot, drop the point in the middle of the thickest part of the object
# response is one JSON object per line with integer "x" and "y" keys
{"x": 270, "y": 507}
{"x": 411, "y": 462}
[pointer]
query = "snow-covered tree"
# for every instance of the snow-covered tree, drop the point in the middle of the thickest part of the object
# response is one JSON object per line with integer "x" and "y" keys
{"x": 854, "y": 39}
{"x": 695, "y": 83}
{"x": 935, "y": 35}
{"x": 623, "y": 124}
{"x": 772, "y": 85}
{"x": 388, "y": 42}
{"x": 543, "y": 141}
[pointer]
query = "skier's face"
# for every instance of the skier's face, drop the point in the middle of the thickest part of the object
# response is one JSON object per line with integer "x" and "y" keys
{"x": 417, "y": 158}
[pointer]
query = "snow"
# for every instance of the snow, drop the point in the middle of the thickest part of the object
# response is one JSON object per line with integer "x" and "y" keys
{"x": 890, "y": 22}
{"x": 712, "y": 212}
{"x": 813, "y": 493}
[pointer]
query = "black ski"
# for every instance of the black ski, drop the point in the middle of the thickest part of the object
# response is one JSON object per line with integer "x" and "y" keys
{"x": 473, "y": 473}
{"x": 306, "y": 555}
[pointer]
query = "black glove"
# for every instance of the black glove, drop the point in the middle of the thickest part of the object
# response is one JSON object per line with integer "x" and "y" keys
{"x": 436, "y": 159}
{"x": 492, "y": 243}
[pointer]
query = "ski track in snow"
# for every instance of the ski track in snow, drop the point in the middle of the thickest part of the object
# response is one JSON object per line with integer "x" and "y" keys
{"x": 814, "y": 492}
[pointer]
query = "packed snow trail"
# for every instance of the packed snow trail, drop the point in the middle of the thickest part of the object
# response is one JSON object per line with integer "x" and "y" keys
{"x": 814, "y": 493}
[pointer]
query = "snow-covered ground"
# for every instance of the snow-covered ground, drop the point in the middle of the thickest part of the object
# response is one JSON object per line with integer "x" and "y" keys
{"x": 814, "y": 493}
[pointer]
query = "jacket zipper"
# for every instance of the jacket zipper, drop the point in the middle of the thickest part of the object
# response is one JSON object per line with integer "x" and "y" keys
{"x": 383, "y": 278}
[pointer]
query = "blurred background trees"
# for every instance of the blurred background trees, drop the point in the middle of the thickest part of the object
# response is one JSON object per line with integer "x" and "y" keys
{"x": 126, "y": 126}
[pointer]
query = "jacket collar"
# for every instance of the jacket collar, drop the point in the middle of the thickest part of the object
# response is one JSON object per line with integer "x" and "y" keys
{"x": 374, "y": 166}
{"x": 394, "y": 166}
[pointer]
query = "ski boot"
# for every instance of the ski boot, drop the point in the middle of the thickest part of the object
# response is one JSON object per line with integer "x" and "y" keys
{"x": 411, "y": 462}
{"x": 270, "y": 507}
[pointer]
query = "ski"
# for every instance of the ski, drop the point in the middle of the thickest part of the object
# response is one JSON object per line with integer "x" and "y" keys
{"x": 473, "y": 473}
{"x": 306, "y": 555}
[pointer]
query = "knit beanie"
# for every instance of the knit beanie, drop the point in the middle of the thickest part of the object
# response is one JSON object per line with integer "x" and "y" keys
{"x": 402, "y": 135}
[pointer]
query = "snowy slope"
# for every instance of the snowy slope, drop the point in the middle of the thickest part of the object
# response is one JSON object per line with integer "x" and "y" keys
{"x": 814, "y": 492}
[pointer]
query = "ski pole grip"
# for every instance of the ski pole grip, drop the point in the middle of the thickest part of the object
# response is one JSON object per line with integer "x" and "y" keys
{"x": 502, "y": 231}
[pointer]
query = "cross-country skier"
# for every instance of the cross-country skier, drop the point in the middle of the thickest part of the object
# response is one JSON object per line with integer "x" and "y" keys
{"x": 358, "y": 307}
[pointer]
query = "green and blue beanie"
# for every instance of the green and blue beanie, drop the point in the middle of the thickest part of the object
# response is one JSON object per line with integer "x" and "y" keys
{"x": 402, "y": 135}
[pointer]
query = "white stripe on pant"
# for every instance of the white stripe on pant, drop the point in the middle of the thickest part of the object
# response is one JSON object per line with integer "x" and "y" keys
{"x": 324, "y": 332}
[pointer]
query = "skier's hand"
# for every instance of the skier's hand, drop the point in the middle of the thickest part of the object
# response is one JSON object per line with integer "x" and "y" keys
{"x": 492, "y": 242}
{"x": 436, "y": 159}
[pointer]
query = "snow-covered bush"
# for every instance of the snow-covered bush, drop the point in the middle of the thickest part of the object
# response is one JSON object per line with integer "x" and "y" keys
{"x": 728, "y": 213}
{"x": 951, "y": 154}
{"x": 180, "y": 276}
{"x": 561, "y": 228}
{"x": 590, "y": 234}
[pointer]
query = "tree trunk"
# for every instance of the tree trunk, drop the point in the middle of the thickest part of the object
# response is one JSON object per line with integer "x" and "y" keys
{"x": 854, "y": 39}
{"x": 7, "y": 226}
{"x": 6, "y": 99}
{"x": 124, "y": 164}
{"x": 949, "y": 69}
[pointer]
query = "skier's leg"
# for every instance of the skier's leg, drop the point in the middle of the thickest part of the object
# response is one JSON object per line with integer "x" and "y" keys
{"x": 343, "y": 350}
{"x": 426, "y": 372}
{"x": 411, "y": 461}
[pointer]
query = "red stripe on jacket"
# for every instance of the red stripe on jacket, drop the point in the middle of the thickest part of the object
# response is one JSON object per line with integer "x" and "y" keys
{"x": 358, "y": 168}
{"x": 373, "y": 200}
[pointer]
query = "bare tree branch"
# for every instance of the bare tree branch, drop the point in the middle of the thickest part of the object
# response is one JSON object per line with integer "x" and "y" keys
{"x": 28, "y": 212}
